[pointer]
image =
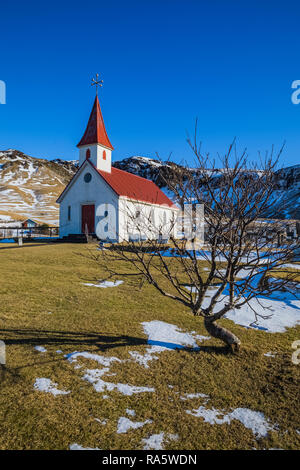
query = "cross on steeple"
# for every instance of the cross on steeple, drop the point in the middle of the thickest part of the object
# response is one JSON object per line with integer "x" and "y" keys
{"x": 97, "y": 82}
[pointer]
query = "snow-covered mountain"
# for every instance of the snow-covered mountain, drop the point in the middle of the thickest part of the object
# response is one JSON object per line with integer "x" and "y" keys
{"x": 30, "y": 186}
{"x": 286, "y": 198}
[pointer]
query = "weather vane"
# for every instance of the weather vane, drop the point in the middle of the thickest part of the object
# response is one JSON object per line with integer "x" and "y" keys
{"x": 97, "y": 82}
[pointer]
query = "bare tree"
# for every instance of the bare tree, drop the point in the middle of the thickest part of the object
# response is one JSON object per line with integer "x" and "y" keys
{"x": 242, "y": 250}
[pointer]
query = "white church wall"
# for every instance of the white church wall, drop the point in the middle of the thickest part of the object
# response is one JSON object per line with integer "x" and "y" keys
{"x": 95, "y": 192}
{"x": 146, "y": 221}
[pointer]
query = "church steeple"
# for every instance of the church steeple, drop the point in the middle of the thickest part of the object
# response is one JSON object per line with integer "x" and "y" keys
{"x": 95, "y": 132}
{"x": 95, "y": 144}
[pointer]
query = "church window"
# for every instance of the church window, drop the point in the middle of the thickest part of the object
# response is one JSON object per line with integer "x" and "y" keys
{"x": 104, "y": 155}
{"x": 88, "y": 154}
{"x": 87, "y": 177}
{"x": 69, "y": 212}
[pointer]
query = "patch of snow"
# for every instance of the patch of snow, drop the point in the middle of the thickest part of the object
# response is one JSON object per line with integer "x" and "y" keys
{"x": 211, "y": 416}
{"x": 283, "y": 314}
{"x": 59, "y": 351}
{"x": 46, "y": 385}
{"x": 124, "y": 424}
{"x": 253, "y": 420}
{"x": 130, "y": 412}
{"x": 155, "y": 442}
{"x": 190, "y": 396}
{"x": 94, "y": 376}
{"x": 282, "y": 309}
{"x": 103, "y": 421}
{"x": 162, "y": 337}
{"x": 104, "y": 284}
{"x": 290, "y": 266}
{"x": 103, "y": 360}
{"x": 143, "y": 359}
{"x": 40, "y": 349}
{"x": 269, "y": 354}
{"x": 79, "y": 447}
{"x": 199, "y": 337}
{"x": 5, "y": 218}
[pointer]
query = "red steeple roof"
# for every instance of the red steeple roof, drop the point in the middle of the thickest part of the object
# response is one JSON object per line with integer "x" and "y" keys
{"x": 95, "y": 132}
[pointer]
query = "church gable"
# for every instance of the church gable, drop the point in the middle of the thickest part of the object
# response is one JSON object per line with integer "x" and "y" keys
{"x": 83, "y": 179}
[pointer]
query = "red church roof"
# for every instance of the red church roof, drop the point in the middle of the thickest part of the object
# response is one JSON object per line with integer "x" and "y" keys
{"x": 134, "y": 187}
{"x": 95, "y": 132}
{"x": 128, "y": 185}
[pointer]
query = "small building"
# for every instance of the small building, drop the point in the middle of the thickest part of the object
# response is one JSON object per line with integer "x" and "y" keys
{"x": 106, "y": 201}
{"x": 29, "y": 223}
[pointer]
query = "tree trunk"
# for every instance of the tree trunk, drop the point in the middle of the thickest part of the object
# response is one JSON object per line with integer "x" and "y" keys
{"x": 223, "y": 334}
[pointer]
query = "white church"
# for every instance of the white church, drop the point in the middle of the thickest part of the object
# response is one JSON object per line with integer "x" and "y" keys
{"x": 110, "y": 203}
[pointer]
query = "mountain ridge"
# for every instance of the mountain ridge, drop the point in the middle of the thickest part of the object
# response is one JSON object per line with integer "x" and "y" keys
{"x": 29, "y": 186}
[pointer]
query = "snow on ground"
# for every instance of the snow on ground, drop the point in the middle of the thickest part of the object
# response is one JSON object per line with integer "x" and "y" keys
{"x": 103, "y": 360}
{"x": 254, "y": 420}
{"x": 270, "y": 354}
{"x": 46, "y": 385}
{"x": 165, "y": 336}
{"x": 94, "y": 376}
{"x": 5, "y": 218}
{"x": 161, "y": 337}
{"x": 101, "y": 421}
{"x": 130, "y": 412}
{"x": 282, "y": 308}
{"x": 290, "y": 266}
{"x": 124, "y": 424}
{"x": 191, "y": 396}
{"x": 155, "y": 442}
{"x": 40, "y": 349}
{"x": 79, "y": 447}
{"x": 103, "y": 284}
{"x": 205, "y": 255}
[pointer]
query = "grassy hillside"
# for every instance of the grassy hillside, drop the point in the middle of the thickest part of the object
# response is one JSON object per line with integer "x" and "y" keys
{"x": 30, "y": 186}
{"x": 44, "y": 302}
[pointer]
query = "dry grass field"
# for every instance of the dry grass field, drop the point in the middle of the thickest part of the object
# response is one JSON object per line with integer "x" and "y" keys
{"x": 45, "y": 303}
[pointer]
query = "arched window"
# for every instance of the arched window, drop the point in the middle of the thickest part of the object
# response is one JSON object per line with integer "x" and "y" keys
{"x": 88, "y": 154}
{"x": 104, "y": 155}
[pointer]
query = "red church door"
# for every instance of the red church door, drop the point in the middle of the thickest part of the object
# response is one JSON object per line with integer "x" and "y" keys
{"x": 88, "y": 218}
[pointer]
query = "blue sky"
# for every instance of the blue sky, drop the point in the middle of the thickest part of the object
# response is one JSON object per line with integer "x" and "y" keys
{"x": 164, "y": 63}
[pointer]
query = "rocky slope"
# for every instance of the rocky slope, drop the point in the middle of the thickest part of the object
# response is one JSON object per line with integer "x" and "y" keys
{"x": 30, "y": 186}
{"x": 286, "y": 198}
